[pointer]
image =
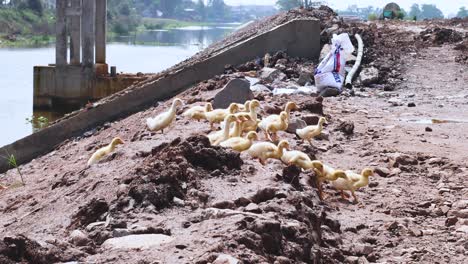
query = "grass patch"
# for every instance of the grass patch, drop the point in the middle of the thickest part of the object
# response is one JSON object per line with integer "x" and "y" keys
{"x": 162, "y": 23}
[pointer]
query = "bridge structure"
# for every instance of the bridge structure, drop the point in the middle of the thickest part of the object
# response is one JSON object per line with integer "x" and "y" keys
{"x": 80, "y": 73}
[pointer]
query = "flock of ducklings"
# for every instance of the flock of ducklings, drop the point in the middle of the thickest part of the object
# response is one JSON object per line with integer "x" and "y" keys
{"x": 240, "y": 119}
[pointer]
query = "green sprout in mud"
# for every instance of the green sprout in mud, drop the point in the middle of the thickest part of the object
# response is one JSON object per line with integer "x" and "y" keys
{"x": 12, "y": 162}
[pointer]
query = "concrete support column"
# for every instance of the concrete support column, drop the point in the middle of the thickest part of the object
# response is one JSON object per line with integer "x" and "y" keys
{"x": 75, "y": 33}
{"x": 88, "y": 11}
{"x": 61, "y": 33}
{"x": 101, "y": 21}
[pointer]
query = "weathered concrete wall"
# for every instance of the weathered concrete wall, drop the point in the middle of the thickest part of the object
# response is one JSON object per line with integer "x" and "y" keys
{"x": 298, "y": 37}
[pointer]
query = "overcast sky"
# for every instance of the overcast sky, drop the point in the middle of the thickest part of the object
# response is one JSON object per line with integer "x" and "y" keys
{"x": 447, "y": 6}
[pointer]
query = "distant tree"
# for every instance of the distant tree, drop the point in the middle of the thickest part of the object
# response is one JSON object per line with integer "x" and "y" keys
{"x": 36, "y": 6}
{"x": 401, "y": 14}
{"x": 462, "y": 12}
{"x": 217, "y": 9}
{"x": 201, "y": 9}
{"x": 290, "y": 4}
{"x": 168, "y": 7}
{"x": 415, "y": 11}
{"x": 430, "y": 12}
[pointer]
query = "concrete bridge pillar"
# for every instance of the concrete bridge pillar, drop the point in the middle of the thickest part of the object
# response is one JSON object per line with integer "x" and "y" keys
{"x": 61, "y": 33}
{"x": 101, "y": 18}
{"x": 75, "y": 32}
{"x": 88, "y": 12}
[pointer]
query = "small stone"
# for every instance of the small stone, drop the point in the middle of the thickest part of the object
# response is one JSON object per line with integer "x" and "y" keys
{"x": 381, "y": 171}
{"x": 138, "y": 242}
{"x": 411, "y": 104}
{"x": 426, "y": 204}
{"x": 271, "y": 74}
{"x": 253, "y": 208}
{"x": 351, "y": 260}
{"x": 178, "y": 201}
{"x": 224, "y": 205}
{"x": 462, "y": 204}
{"x": 79, "y": 238}
{"x": 415, "y": 231}
{"x": 235, "y": 91}
{"x": 120, "y": 232}
{"x": 362, "y": 249}
{"x": 282, "y": 260}
{"x": 451, "y": 221}
{"x": 362, "y": 260}
{"x": 260, "y": 88}
{"x": 368, "y": 76}
{"x": 428, "y": 129}
{"x": 311, "y": 120}
{"x": 395, "y": 102}
{"x": 346, "y": 127}
{"x": 463, "y": 213}
{"x": 373, "y": 184}
{"x": 463, "y": 229}
{"x": 226, "y": 259}
{"x": 403, "y": 159}
{"x": 444, "y": 190}
{"x": 295, "y": 123}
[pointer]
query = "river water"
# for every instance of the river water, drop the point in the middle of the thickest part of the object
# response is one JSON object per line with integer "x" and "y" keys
{"x": 147, "y": 52}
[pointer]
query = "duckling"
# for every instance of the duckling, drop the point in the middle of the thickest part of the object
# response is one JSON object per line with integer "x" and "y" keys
{"x": 352, "y": 182}
{"x": 221, "y": 135}
{"x": 163, "y": 120}
{"x": 218, "y": 115}
{"x": 240, "y": 144}
{"x": 297, "y": 158}
{"x": 324, "y": 173}
{"x": 266, "y": 150}
{"x": 272, "y": 124}
{"x": 239, "y": 124}
{"x": 289, "y": 107}
{"x": 253, "y": 123}
{"x": 100, "y": 153}
{"x": 244, "y": 107}
{"x": 196, "y": 112}
{"x": 309, "y": 132}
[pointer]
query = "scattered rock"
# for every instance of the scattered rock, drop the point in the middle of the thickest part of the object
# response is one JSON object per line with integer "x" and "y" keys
{"x": 253, "y": 208}
{"x": 89, "y": 213}
{"x": 295, "y": 123}
{"x": 226, "y": 259}
{"x": 271, "y": 74}
{"x": 347, "y": 127}
{"x": 411, "y": 104}
{"x": 403, "y": 159}
{"x": 395, "y": 102}
{"x": 369, "y": 76}
{"x": 362, "y": 249}
{"x": 79, "y": 238}
{"x": 235, "y": 91}
{"x": 381, "y": 171}
{"x": 414, "y": 231}
{"x": 428, "y": 129}
{"x": 260, "y": 88}
{"x": 139, "y": 242}
{"x": 313, "y": 107}
{"x": 224, "y": 205}
{"x": 311, "y": 119}
{"x": 451, "y": 221}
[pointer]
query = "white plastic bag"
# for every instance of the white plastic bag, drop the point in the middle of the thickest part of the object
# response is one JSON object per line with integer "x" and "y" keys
{"x": 331, "y": 70}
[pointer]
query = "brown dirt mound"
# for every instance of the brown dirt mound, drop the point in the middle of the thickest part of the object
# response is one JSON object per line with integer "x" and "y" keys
{"x": 440, "y": 36}
{"x": 24, "y": 250}
{"x": 173, "y": 167}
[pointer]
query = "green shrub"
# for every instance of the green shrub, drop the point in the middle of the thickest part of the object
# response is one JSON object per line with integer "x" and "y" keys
{"x": 372, "y": 17}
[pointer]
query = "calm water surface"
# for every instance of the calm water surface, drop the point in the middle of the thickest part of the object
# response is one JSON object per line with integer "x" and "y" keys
{"x": 148, "y": 52}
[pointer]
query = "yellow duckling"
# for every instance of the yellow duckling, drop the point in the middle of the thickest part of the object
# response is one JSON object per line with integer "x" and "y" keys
{"x": 239, "y": 124}
{"x": 252, "y": 124}
{"x": 239, "y": 143}
{"x": 324, "y": 173}
{"x": 244, "y": 107}
{"x": 309, "y": 132}
{"x": 221, "y": 135}
{"x": 100, "y": 153}
{"x": 196, "y": 112}
{"x": 289, "y": 107}
{"x": 272, "y": 124}
{"x": 218, "y": 115}
{"x": 297, "y": 158}
{"x": 352, "y": 182}
{"x": 266, "y": 150}
{"x": 163, "y": 120}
